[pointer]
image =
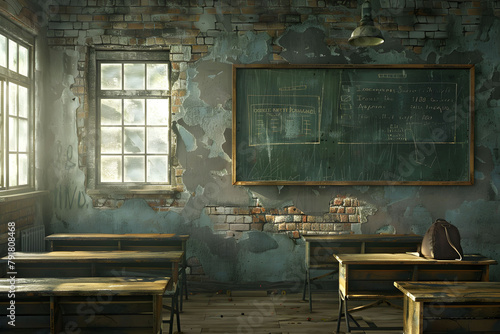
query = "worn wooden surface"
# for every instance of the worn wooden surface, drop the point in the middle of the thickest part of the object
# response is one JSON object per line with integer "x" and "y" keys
{"x": 117, "y": 236}
{"x": 403, "y": 258}
{"x": 98, "y": 263}
{"x": 446, "y": 307}
{"x": 99, "y": 256}
{"x": 84, "y": 305}
{"x": 85, "y": 286}
{"x": 456, "y": 291}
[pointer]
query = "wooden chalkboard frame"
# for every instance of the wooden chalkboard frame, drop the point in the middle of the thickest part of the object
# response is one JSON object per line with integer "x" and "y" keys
{"x": 242, "y": 151}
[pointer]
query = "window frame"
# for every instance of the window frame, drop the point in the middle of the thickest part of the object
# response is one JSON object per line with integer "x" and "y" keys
{"x": 96, "y": 57}
{"x": 27, "y": 40}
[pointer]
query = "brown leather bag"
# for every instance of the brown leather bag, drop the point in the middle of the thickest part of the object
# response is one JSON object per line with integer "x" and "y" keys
{"x": 442, "y": 242}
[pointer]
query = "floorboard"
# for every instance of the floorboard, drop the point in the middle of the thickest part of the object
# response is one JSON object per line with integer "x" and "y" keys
{"x": 273, "y": 313}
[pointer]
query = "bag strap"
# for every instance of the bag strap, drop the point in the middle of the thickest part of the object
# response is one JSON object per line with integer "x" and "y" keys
{"x": 451, "y": 244}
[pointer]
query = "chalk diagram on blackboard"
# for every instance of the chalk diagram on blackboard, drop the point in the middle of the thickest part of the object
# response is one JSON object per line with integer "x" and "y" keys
{"x": 284, "y": 119}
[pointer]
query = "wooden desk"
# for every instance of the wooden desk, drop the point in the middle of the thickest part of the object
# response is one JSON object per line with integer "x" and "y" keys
{"x": 321, "y": 248}
{"x": 123, "y": 305}
{"x": 98, "y": 263}
{"x": 372, "y": 276}
{"x": 446, "y": 307}
{"x": 151, "y": 242}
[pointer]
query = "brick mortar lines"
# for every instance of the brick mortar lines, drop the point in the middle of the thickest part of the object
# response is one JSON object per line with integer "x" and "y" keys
{"x": 233, "y": 221}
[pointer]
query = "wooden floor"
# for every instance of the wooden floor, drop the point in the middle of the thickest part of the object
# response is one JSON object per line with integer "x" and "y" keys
{"x": 262, "y": 312}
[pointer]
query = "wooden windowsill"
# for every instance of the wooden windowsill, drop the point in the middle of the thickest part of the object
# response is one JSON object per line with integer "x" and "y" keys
{"x": 20, "y": 196}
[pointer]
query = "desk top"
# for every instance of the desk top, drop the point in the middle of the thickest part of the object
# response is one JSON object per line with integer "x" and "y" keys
{"x": 405, "y": 258}
{"x": 364, "y": 238}
{"x": 451, "y": 292}
{"x": 97, "y": 256}
{"x": 112, "y": 236}
{"x": 85, "y": 286}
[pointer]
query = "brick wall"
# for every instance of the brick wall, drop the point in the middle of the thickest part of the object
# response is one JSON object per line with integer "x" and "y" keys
{"x": 233, "y": 221}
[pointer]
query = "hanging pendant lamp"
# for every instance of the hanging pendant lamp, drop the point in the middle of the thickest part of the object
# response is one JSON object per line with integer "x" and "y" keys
{"x": 366, "y": 34}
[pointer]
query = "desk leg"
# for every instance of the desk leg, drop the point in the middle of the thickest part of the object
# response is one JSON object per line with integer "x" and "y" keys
{"x": 346, "y": 316}
{"x": 56, "y": 325}
{"x": 310, "y": 292}
{"x": 157, "y": 314}
{"x": 339, "y": 318}
{"x": 183, "y": 285}
{"x": 175, "y": 272}
{"x": 305, "y": 287}
{"x": 53, "y": 315}
{"x": 184, "y": 266}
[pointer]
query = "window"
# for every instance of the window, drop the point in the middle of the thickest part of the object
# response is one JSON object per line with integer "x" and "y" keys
{"x": 16, "y": 116}
{"x": 132, "y": 117}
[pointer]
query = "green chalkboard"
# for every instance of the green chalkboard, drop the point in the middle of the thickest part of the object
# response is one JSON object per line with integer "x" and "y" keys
{"x": 353, "y": 124}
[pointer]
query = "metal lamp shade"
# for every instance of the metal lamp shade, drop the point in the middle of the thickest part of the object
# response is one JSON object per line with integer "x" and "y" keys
{"x": 366, "y": 34}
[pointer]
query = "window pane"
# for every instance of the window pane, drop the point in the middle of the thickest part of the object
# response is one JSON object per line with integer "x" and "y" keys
{"x": 12, "y": 170}
{"x": 23, "y": 61}
{"x": 111, "y": 76}
{"x": 111, "y": 112}
{"x": 133, "y": 129}
{"x": 158, "y": 140}
{"x": 23, "y": 169}
{"x": 3, "y": 51}
{"x": 12, "y": 99}
{"x": 12, "y": 56}
{"x": 111, "y": 169}
{"x": 134, "y": 113}
{"x": 23, "y": 135}
{"x": 134, "y": 169}
{"x": 12, "y": 134}
{"x": 111, "y": 140}
{"x": 23, "y": 101}
{"x": 158, "y": 76}
{"x": 158, "y": 169}
{"x": 134, "y": 76}
{"x": 158, "y": 112}
{"x": 134, "y": 140}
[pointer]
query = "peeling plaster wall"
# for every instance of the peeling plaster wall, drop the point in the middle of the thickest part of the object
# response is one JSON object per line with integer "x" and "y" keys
{"x": 202, "y": 124}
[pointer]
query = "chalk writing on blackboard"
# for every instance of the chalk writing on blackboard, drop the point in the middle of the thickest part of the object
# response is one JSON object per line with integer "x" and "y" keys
{"x": 290, "y": 88}
{"x": 367, "y": 112}
{"x": 284, "y": 119}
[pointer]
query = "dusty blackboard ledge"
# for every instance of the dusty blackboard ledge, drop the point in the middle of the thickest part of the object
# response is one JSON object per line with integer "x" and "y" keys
{"x": 381, "y": 124}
